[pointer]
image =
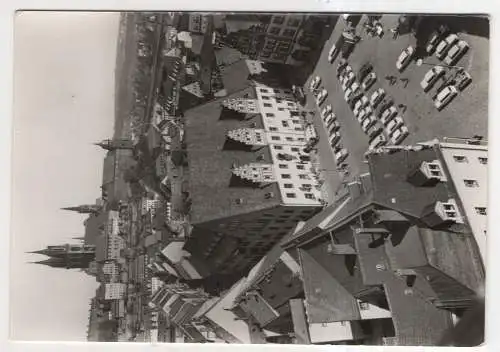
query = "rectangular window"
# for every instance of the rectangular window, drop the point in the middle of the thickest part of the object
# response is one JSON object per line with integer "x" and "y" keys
{"x": 275, "y": 138}
{"x": 278, "y": 147}
{"x": 291, "y": 195}
{"x": 269, "y": 114}
{"x": 460, "y": 158}
{"x": 274, "y": 129}
{"x": 483, "y": 161}
{"x": 275, "y": 30}
{"x": 309, "y": 196}
{"x": 288, "y": 185}
{"x": 286, "y": 176}
{"x": 290, "y": 139}
{"x": 300, "y": 167}
{"x": 295, "y": 149}
{"x": 281, "y": 109}
{"x": 480, "y": 210}
{"x": 265, "y": 97}
{"x": 471, "y": 183}
{"x": 298, "y": 129}
{"x": 303, "y": 177}
{"x": 263, "y": 90}
{"x": 279, "y": 19}
{"x": 364, "y": 306}
{"x": 296, "y": 121}
{"x": 301, "y": 139}
{"x": 267, "y": 105}
{"x": 283, "y": 166}
{"x": 284, "y": 123}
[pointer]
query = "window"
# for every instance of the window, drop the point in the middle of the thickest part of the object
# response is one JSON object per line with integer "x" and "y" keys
{"x": 300, "y": 167}
{"x": 275, "y": 30}
{"x": 364, "y": 306}
{"x": 275, "y": 138}
{"x": 291, "y": 195}
{"x": 281, "y": 109}
{"x": 278, "y": 147}
{"x": 267, "y": 105}
{"x": 483, "y": 161}
{"x": 283, "y": 166}
{"x": 274, "y": 129}
{"x": 293, "y": 22}
{"x": 265, "y": 97}
{"x": 296, "y": 121}
{"x": 480, "y": 210}
{"x": 263, "y": 90}
{"x": 279, "y": 100}
{"x": 303, "y": 177}
{"x": 286, "y": 176}
{"x": 269, "y": 114}
{"x": 294, "y": 149}
{"x": 471, "y": 183}
{"x": 288, "y": 185}
{"x": 279, "y": 19}
{"x": 288, "y": 32}
{"x": 289, "y": 139}
{"x": 300, "y": 139}
{"x": 460, "y": 158}
{"x": 309, "y": 196}
{"x": 284, "y": 123}
{"x": 298, "y": 129}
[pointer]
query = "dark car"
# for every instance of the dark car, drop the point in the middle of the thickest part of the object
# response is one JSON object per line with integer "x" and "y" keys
{"x": 298, "y": 93}
{"x": 364, "y": 71}
{"x": 373, "y": 131}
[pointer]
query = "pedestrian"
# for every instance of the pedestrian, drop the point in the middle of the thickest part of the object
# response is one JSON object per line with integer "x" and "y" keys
{"x": 405, "y": 81}
{"x": 395, "y": 33}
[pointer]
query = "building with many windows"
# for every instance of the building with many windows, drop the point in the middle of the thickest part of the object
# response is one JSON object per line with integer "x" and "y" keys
{"x": 114, "y": 290}
{"x": 110, "y": 243}
{"x": 250, "y": 179}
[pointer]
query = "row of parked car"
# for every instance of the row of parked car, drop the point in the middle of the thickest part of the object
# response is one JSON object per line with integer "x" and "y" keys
{"x": 372, "y": 123}
{"x": 330, "y": 120}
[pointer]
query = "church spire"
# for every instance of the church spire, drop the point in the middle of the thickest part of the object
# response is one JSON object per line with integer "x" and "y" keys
{"x": 85, "y": 209}
{"x": 67, "y": 256}
{"x": 113, "y": 144}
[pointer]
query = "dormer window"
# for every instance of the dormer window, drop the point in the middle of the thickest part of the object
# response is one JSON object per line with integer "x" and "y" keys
{"x": 448, "y": 211}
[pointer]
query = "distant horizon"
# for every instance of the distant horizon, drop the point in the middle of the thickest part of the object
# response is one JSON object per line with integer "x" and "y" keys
{"x": 63, "y": 98}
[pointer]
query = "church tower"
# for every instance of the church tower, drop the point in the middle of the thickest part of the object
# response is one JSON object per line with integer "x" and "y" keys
{"x": 85, "y": 209}
{"x": 68, "y": 256}
{"x": 113, "y": 144}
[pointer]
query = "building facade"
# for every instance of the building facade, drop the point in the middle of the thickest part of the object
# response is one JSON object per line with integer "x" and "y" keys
{"x": 114, "y": 290}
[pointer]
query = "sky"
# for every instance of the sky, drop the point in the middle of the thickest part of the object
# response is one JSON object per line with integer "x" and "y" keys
{"x": 63, "y": 102}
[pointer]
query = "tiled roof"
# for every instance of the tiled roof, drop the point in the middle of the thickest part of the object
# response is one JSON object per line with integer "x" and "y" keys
{"x": 235, "y": 76}
{"x": 210, "y": 165}
{"x": 227, "y": 56}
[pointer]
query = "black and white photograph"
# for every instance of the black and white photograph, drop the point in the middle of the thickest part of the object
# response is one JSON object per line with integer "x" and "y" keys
{"x": 250, "y": 178}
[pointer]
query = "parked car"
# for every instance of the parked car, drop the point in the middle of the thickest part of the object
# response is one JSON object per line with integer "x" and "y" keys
{"x": 373, "y": 131}
{"x": 377, "y": 97}
{"x": 360, "y": 104}
{"x": 351, "y": 91}
{"x": 315, "y": 83}
{"x": 445, "y": 45}
{"x": 364, "y": 113}
{"x": 353, "y": 99}
{"x": 435, "y": 37}
{"x": 394, "y": 124}
{"x": 378, "y": 141}
{"x": 399, "y": 135}
{"x": 348, "y": 79}
{"x": 320, "y": 98}
{"x": 405, "y": 58}
{"x": 386, "y": 104}
{"x": 431, "y": 77}
{"x": 330, "y": 117}
{"x": 368, "y": 123}
{"x": 333, "y": 126}
{"x": 456, "y": 52}
{"x": 364, "y": 71}
{"x": 334, "y": 139}
{"x": 326, "y": 110}
{"x": 333, "y": 53}
{"x": 463, "y": 81}
{"x": 343, "y": 67}
{"x": 298, "y": 93}
{"x": 341, "y": 155}
{"x": 445, "y": 96}
{"x": 388, "y": 115}
{"x": 369, "y": 81}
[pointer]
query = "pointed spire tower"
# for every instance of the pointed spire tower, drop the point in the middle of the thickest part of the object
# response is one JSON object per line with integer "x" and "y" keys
{"x": 113, "y": 144}
{"x": 85, "y": 209}
{"x": 67, "y": 256}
